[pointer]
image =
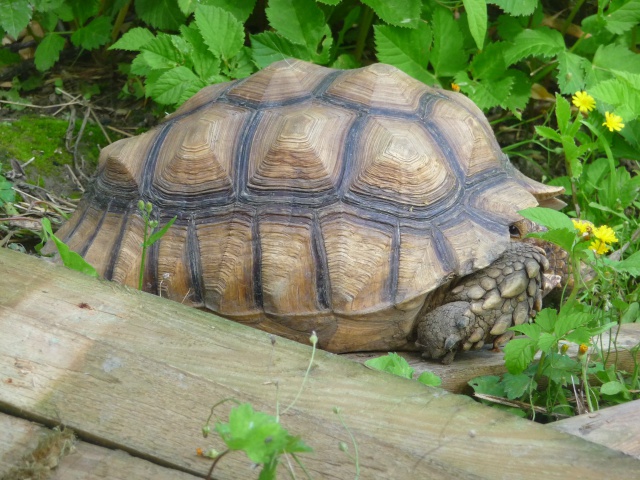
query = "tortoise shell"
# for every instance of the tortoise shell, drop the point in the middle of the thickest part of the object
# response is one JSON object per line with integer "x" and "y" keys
{"x": 308, "y": 198}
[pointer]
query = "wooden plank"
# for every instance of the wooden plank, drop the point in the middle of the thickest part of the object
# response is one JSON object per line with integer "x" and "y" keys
{"x": 616, "y": 427}
{"x": 26, "y": 447}
{"x": 140, "y": 373}
{"x": 469, "y": 365}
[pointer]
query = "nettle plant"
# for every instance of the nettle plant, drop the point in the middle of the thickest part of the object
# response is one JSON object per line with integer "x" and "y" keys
{"x": 603, "y": 290}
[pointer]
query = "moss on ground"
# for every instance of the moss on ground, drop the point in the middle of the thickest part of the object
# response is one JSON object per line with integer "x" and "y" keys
{"x": 43, "y": 139}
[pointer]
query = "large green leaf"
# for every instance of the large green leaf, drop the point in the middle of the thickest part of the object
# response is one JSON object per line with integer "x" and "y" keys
{"x": 447, "y": 55}
{"x": 302, "y": 23}
{"x": 163, "y": 14}
{"x": 241, "y": 9}
{"x": 48, "y": 51}
{"x": 406, "y": 49}
{"x": 541, "y": 42}
{"x": 93, "y": 35}
{"x": 391, "y": 363}
{"x": 477, "y": 18}
{"x": 161, "y": 53}
{"x": 518, "y": 354}
{"x": 624, "y": 18}
{"x": 402, "y": 13}
{"x": 547, "y": 217}
{"x": 134, "y": 39}
{"x": 174, "y": 86}
{"x": 206, "y": 65}
{"x": 269, "y": 47}
{"x": 221, "y": 31}
{"x": 69, "y": 258}
{"x": 14, "y": 16}
{"x": 517, "y": 7}
{"x": 571, "y": 72}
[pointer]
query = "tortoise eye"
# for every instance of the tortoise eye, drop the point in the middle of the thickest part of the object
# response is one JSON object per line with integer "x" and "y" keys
{"x": 514, "y": 231}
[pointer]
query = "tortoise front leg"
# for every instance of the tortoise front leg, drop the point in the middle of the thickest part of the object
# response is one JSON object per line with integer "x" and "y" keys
{"x": 483, "y": 305}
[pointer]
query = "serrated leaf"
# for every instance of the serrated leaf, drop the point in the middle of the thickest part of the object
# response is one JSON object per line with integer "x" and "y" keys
{"x": 485, "y": 93}
{"x": 139, "y": 66}
{"x": 223, "y": 34}
{"x": 447, "y": 55}
{"x": 206, "y": 65}
{"x": 162, "y": 14}
{"x": 608, "y": 58}
{"x": 47, "y": 5}
{"x": 302, "y": 23}
{"x": 541, "y": 42}
{"x": 187, "y": 7}
{"x": 571, "y": 72}
{"x": 430, "y": 379}
{"x": 624, "y": 18}
{"x": 567, "y": 322}
{"x": 489, "y": 64}
{"x": 14, "y": 16}
{"x": 477, "y": 18}
{"x": 174, "y": 86}
{"x": 515, "y": 386}
{"x": 242, "y": 64}
{"x": 269, "y": 47}
{"x": 517, "y": 7}
{"x": 405, "y": 49}
{"x": 391, "y": 363}
{"x": 133, "y": 40}
{"x": 48, "y": 51}
{"x": 560, "y": 236}
{"x": 93, "y": 35}
{"x": 520, "y": 92}
{"x": 488, "y": 385}
{"x": 518, "y": 354}
{"x": 579, "y": 336}
{"x": 241, "y": 9}
{"x": 546, "y": 319}
{"x": 9, "y": 58}
{"x": 531, "y": 330}
{"x": 612, "y": 388}
{"x": 160, "y": 53}
{"x": 547, "y": 132}
{"x": 547, "y": 341}
{"x": 547, "y": 217}
{"x": 401, "y": 13}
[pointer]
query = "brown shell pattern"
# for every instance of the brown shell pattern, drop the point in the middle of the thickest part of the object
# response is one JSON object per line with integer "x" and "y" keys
{"x": 308, "y": 199}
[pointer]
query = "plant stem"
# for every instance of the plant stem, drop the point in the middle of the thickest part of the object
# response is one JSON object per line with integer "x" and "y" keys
{"x": 571, "y": 16}
{"x": 144, "y": 251}
{"x": 363, "y": 31}
{"x": 122, "y": 14}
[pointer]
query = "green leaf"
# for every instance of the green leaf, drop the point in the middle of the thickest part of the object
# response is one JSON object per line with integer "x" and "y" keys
{"x": 93, "y": 35}
{"x": 406, "y": 49}
{"x": 401, "y": 13}
{"x": 531, "y": 330}
{"x": 630, "y": 315}
{"x": 174, "y": 86}
{"x": 206, "y": 65}
{"x": 567, "y": 322}
{"x": 162, "y": 14}
{"x": 430, "y": 379}
{"x": 563, "y": 113}
{"x": 571, "y": 72}
{"x": 560, "y": 236}
{"x": 187, "y": 7}
{"x": 302, "y": 23}
{"x": 541, "y": 42}
{"x": 69, "y": 258}
{"x": 547, "y": 132}
{"x": 391, "y": 363}
{"x": 489, "y": 64}
{"x": 223, "y": 34}
{"x": 134, "y": 39}
{"x": 517, "y": 7}
{"x": 579, "y": 336}
{"x": 546, "y": 319}
{"x": 624, "y": 18}
{"x": 485, "y": 93}
{"x": 520, "y": 91}
{"x": 48, "y": 51}
{"x": 7, "y": 193}
{"x": 153, "y": 238}
{"x": 608, "y": 58}
{"x": 630, "y": 265}
{"x": 548, "y": 217}
{"x": 612, "y": 388}
{"x": 14, "y": 16}
{"x": 447, "y": 55}
{"x": 477, "y": 18}
{"x": 241, "y": 9}
{"x": 518, "y": 354}
{"x": 269, "y": 47}
{"x": 161, "y": 53}
{"x": 488, "y": 385}
{"x": 547, "y": 341}
{"x": 515, "y": 386}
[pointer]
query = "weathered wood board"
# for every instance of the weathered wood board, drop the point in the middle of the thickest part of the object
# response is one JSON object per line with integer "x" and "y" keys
{"x": 616, "y": 427}
{"x": 135, "y": 372}
{"x": 26, "y": 447}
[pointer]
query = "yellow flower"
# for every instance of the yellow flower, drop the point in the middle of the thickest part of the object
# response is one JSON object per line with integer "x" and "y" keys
{"x": 584, "y": 102}
{"x": 613, "y": 122}
{"x": 455, "y": 87}
{"x": 583, "y": 227}
{"x": 599, "y": 246}
{"x": 605, "y": 234}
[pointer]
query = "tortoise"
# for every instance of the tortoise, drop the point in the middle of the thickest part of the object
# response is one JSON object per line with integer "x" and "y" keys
{"x": 360, "y": 204}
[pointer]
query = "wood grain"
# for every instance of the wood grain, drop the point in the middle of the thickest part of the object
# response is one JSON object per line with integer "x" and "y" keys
{"x": 139, "y": 373}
